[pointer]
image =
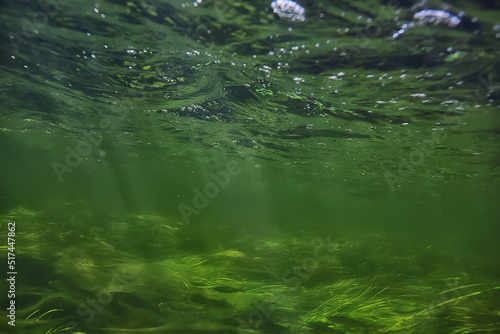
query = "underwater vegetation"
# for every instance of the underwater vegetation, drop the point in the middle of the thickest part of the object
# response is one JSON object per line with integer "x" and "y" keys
{"x": 250, "y": 166}
{"x": 141, "y": 274}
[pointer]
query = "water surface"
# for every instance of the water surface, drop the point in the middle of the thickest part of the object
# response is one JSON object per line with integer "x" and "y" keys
{"x": 180, "y": 163}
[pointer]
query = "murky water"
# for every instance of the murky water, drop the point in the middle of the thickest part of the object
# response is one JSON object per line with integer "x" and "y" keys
{"x": 209, "y": 166}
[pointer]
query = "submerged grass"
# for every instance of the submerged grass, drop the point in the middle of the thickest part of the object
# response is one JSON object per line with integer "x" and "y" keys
{"x": 238, "y": 286}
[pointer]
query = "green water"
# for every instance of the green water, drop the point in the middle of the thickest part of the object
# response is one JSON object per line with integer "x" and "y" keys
{"x": 174, "y": 168}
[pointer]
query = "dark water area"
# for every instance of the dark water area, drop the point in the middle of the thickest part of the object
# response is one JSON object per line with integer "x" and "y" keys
{"x": 212, "y": 166}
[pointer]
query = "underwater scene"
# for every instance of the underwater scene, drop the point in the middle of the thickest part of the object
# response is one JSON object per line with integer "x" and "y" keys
{"x": 250, "y": 166}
